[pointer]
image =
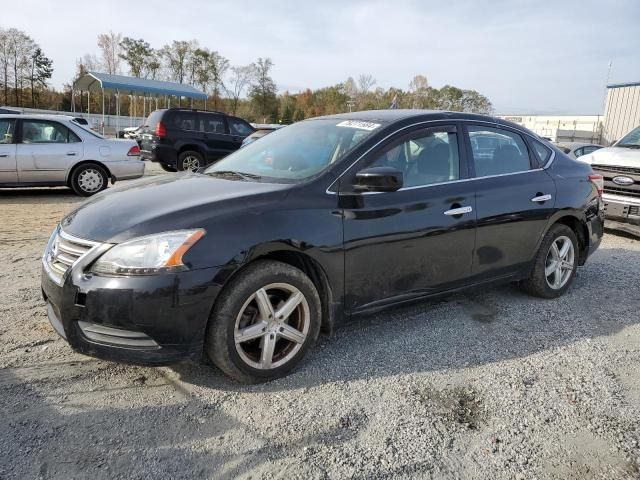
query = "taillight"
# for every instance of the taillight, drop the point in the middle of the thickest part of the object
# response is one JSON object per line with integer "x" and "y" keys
{"x": 135, "y": 150}
{"x": 161, "y": 131}
{"x": 598, "y": 181}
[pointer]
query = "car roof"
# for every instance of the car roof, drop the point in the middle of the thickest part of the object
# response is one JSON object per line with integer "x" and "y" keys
{"x": 395, "y": 115}
{"x": 37, "y": 116}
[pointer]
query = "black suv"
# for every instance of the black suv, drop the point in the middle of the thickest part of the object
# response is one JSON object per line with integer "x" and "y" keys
{"x": 187, "y": 139}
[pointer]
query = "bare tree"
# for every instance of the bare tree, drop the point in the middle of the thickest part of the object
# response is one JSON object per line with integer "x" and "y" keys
{"x": 20, "y": 48}
{"x": 418, "y": 83}
{"x": 240, "y": 77}
{"x": 110, "y": 50}
{"x": 176, "y": 58}
{"x": 365, "y": 82}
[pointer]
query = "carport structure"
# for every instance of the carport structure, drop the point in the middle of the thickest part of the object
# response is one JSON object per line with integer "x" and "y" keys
{"x": 150, "y": 90}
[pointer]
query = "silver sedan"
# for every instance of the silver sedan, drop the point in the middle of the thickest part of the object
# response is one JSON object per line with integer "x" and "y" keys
{"x": 54, "y": 150}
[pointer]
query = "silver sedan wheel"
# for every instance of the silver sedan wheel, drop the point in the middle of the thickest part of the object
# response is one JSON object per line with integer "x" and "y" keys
{"x": 90, "y": 180}
{"x": 560, "y": 262}
{"x": 272, "y": 326}
{"x": 190, "y": 162}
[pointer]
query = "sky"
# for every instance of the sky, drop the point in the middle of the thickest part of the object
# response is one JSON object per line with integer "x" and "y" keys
{"x": 526, "y": 56}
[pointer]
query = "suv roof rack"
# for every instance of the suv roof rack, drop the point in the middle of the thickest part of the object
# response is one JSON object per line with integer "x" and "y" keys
{"x": 196, "y": 110}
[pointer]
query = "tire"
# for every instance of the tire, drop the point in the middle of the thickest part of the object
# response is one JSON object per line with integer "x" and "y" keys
{"x": 237, "y": 310}
{"x": 167, "y": 168}
{"x": 190, "y": 160}
{"x": 545, "y": 280}
{"x": 89, "y": 179}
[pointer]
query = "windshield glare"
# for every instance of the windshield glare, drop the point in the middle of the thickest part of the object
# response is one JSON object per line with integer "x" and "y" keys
{"x": 631, "y": 139}
{"x": 298, "y": 151}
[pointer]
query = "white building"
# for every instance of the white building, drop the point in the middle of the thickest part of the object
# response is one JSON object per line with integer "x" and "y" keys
{"x": 622, "y": 111}
{"x": 562, "y": 128}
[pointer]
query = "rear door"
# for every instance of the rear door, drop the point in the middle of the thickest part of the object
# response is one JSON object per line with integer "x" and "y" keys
{"x": 514, "y": 199}
{"x": 8, "y": 167}
{"x": 219, "y": 143}
{"x": 46, "y": 151}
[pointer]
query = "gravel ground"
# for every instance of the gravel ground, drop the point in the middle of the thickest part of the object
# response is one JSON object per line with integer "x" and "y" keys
{"x": 491, "y": 384}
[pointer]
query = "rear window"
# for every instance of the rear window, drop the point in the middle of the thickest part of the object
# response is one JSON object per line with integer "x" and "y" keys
{"x": 153, "y": 119}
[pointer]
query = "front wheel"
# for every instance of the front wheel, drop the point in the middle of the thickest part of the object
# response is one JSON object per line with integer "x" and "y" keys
{"x": 555, "y": 264}
{"x": 89, "y": 179}
{"x": 264, "y": 322}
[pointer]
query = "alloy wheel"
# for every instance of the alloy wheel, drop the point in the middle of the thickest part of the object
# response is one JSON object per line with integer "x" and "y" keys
{"x": 90, "y": 180}
{"x": 190, "y": 163}
{"x": 560, "y": 262}
{"x": 272, "y": 326}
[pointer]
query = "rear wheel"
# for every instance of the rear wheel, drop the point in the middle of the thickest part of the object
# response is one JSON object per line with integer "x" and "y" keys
{"x": 555, "y": 264}
{"x": 264, "y": 322}
{"x": 89, "y": 179}
{"x": 190, "y": 161}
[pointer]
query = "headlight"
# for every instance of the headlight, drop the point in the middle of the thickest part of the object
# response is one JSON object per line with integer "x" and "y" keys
{"x": 148, "y": 255}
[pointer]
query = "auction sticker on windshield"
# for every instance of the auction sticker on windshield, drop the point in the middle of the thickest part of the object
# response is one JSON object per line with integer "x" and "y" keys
{"x": 358, "y": 124}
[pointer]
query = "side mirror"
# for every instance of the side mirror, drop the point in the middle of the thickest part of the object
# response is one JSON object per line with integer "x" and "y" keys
{"x": 378, "y": 179}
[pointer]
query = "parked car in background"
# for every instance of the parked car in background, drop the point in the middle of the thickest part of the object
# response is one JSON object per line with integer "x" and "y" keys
{"x": 132, "y": 133}
{"x": 260, "y": 132}
{"x": 54, "y": 150}
{"x": 619, "y": 165}
{"x": 578, "y": 149}
{"x": 249, "y": 260}
{"x": 187, "y": 139}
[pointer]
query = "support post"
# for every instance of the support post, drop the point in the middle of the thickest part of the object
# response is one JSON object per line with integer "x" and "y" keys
{"x": 103, "y": 125}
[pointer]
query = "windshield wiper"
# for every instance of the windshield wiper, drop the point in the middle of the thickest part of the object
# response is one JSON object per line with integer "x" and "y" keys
{"x": 243, "y": 175}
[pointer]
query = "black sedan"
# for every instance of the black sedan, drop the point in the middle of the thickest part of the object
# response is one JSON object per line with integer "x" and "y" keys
{"x": 249, "y": 260}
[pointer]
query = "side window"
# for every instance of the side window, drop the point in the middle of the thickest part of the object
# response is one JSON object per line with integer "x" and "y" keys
{"x": 590, "y": 149}
{"x": 7, "y": 127}
{"x": 428, "y": 157}
{"x": 213, "y": 123}
{"x": 542, "y": 152}
{"x": 579, "y": 152}
{"x": 498, "y": 151}
{"x": 186, "y": 121}
{"x": 34, "y": 131}
{"x": 238, "y": 127}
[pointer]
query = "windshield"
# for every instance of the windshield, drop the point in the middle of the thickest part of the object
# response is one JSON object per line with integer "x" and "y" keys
{"x": 631, "y": 139}
{"x": 296, "y": 152}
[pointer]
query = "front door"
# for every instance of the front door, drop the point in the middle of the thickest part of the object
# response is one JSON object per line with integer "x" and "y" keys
{"x": 46, "y": 152}
{"x": 8, "y": 168}
{"x": 415, "y": 241}
{"x": 514, "y": 200}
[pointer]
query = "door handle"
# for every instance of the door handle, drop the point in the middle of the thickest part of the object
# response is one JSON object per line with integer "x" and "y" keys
{"x": 541, "y": 198}
{"x": 458, "y": 211}
{"x": 4, "y": 155}
{"x": 72, "y": 154}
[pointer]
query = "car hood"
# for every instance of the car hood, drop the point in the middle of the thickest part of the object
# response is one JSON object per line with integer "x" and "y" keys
{"x": 164, "y": 203}
{"x": 614, "y": 156}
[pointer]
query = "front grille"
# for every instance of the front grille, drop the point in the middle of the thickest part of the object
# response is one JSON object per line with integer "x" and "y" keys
{"x": 63, "y": 251}
{"x": 616, "y": 169}
{"x": 627, "y": 191}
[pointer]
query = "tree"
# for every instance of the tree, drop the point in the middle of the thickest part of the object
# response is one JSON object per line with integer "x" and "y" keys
{"x": 419, "y": 83}
{"x": 237, "y": 83}
{"x": 138, "y": 54}
{"x": 176, "y": 58}
{"x": 263, "y": 90}
{"x": 110, "y": 50}
{"x": 365, "y": 82}
{"x": 41, "y": 71}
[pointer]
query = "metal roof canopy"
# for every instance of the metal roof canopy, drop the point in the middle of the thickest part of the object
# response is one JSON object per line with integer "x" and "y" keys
{"x": 95, "y": 81}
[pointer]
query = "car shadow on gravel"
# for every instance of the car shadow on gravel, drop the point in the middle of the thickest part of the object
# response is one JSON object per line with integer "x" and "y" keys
{"x": 95, "y": 432}
{"x": 53, "y": 195}
{"x": 460, "y": 331}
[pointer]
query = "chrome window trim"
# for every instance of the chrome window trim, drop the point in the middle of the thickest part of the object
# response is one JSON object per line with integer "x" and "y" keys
{"x": 547, "y": 165}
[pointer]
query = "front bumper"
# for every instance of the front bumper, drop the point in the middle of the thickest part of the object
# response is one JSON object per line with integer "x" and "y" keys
{"x": 147, "y": 320}
{"x": 622, "y": 209}
{"x": 125, "y": 169}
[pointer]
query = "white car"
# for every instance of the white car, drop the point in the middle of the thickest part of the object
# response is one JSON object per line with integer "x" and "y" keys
{"x": 620, "y": 167}
{"x": 54, "y": 150}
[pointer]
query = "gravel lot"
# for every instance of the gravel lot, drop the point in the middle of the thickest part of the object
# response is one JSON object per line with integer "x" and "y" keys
{"x": 491, "y": 384}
